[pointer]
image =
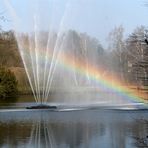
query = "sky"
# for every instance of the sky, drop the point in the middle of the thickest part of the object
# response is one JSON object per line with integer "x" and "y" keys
{"x": 95, "y": 17}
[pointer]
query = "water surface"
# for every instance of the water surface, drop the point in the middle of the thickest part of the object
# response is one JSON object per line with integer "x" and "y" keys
{"x": 73, "y": 129}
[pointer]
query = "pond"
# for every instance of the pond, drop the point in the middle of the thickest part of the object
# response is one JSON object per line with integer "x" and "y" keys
{"x": 65, "y": 128}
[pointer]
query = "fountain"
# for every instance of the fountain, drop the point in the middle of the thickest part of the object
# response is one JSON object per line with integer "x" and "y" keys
{"x": 80, "y": 97}
{"x": 63, "y": 64}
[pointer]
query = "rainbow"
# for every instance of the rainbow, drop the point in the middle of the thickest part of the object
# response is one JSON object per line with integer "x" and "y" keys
{"x": 110, "y": 83}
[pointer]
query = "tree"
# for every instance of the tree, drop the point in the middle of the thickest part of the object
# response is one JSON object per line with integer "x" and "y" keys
{"x": 137, "y": 53}
{"x": 8, "y": 83}
{"x": 116, "y": 48}
{"x": 9, "y": 55}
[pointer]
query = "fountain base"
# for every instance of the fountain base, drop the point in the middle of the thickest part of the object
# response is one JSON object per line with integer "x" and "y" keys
{"x": 41, "y": 106}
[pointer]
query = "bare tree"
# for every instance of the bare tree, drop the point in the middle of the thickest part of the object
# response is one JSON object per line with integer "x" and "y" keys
{"x": 117, "y": 46}
{"x": 137, "y": 53}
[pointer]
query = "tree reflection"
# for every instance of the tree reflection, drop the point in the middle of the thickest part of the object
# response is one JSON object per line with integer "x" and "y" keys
{"x": 72, "y": 130}
{"x": 45, "y": 132}
{"x": 141, "y": 138}
{"x": 63, "y": 134}
{"x": 14, "y": 134}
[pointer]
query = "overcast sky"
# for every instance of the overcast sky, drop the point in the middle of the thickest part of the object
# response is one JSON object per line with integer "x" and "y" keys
{"x": 95, "y": 17}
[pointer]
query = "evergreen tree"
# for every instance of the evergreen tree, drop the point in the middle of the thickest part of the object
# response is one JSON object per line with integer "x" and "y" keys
{"x": 8, "y": 83}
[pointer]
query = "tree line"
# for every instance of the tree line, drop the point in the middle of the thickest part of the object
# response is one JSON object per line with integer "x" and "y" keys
{"x": 131, "y": 54}
{"x": 125, "y": 57}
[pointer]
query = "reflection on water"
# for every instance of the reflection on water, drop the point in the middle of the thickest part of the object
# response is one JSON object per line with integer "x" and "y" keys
{"x": 41, "y": 135}
{"x": 78, "y": 129}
